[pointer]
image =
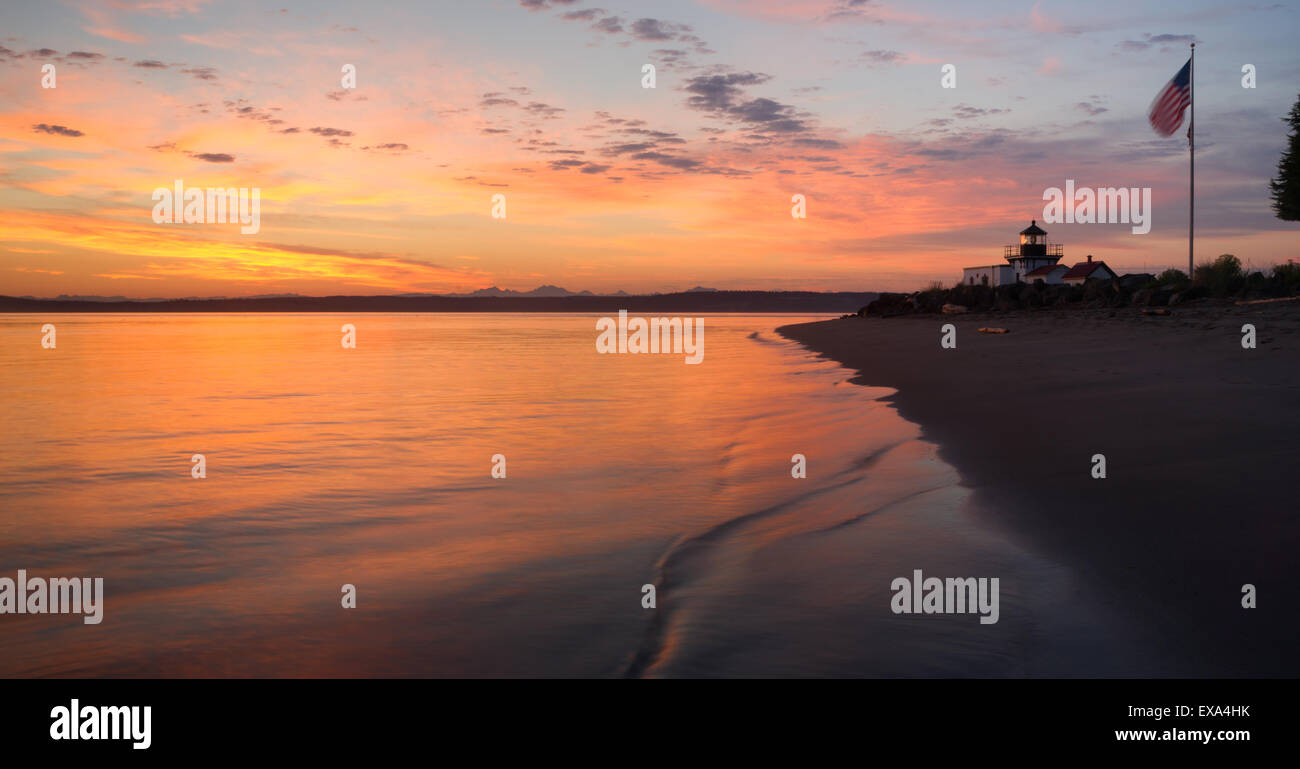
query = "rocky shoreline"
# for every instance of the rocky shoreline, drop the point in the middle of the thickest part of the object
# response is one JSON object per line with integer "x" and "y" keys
{"x": 1127, "y": 291}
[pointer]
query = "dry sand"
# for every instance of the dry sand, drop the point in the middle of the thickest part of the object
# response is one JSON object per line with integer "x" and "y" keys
{"x": 1200, "y": 439}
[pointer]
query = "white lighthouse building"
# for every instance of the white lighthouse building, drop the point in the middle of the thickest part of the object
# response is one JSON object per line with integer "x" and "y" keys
{"x": 1033, "y": 257}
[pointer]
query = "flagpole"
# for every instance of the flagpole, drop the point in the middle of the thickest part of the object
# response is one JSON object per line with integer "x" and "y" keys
{"x": 1191, "y": 154}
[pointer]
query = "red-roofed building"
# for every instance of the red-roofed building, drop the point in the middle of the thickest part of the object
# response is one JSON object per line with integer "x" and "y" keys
{"x": 1050, "y": 274}
{"x": 1089, "y": 270}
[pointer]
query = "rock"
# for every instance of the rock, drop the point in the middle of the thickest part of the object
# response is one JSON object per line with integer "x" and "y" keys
{"x": 888, "y": 304}
{"x": 953, "y": 309}
{"x": 928, "y": 301}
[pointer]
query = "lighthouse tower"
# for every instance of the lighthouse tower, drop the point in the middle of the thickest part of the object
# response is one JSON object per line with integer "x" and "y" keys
{"x": 1033, "y": 256}
{"x": 1032, "y": 252}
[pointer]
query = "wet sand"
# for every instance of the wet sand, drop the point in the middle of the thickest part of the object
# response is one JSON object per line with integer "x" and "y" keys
{"x": 1200, "y": 441}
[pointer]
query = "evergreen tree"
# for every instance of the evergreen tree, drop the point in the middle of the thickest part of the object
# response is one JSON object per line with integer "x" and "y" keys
{"x": 1286, "y": 187}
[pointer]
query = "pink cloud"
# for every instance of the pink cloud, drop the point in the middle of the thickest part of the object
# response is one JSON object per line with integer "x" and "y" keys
{"x": 1039, "y": 22}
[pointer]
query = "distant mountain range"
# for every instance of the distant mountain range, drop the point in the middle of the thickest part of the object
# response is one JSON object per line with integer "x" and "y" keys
{"x": 546, "y": 290}
{"x": 119, "y": 298}
{"x": 539, "y": 291}
{"x": 540, "y": 299}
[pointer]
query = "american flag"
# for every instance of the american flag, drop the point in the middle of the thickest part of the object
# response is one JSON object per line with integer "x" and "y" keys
{"x": 1167, "y": 109}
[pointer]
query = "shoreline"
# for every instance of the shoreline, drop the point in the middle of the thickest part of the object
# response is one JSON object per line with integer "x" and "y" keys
{"x": 1199, "y": 438}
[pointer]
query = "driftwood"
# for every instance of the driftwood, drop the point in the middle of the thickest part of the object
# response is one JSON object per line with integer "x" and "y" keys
{"x": 1270, "y": 301}
{"x": 953, "y": 309}
{"x": 993, "y": 330}
{"x": 1155, "y": 311}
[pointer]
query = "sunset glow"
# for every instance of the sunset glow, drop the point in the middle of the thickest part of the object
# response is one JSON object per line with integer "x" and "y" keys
{"x": 386, "y": 188}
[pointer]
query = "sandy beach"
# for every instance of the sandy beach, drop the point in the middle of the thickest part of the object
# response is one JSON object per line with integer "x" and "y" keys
{"x": 1199, "y": 437}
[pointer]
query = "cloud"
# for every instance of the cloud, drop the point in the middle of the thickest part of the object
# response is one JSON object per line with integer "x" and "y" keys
{"x": 319, "y": 131}
{"x": 653, "y": 29}
{"x": 1091, "y": 107}
{"x": 202, "y": 73}
{"x": 828, "y": 144}
{"x": 669, "y": 57}
{"x": 169, "y": 8}
{"x": 542, "y": 5}
{"x": 345, "y": 93}
{"x": 724, "y": 96}
{"x": 1039, "y": 22}
{"x": 198, "y": 73}
{"x": 497, "y": 99}
{"x": 610, "y": 24}
{"x": 1148, "y": 41}
{"x": 56, "y": 130}
{"x": 212, "y": 157}
{"x": 966, "y": 112}
{"x": 543, "y": 110}
{"x": 534, "y": 108}
{"x": 883, "y": 57}
{"x": 120, "y": 35}
{"x": 713, "y": 93}
{"x": 623, "y": 149}
{"x": 243, "y": 110}
{"x": 672, "y": 161}
{"x": 101, "y": 25}
{"x": 769, "y": 114}
{"x": 643, "y": 29}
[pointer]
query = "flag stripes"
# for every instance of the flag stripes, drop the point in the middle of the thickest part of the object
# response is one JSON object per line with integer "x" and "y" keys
{"x": 1167, "y": 108}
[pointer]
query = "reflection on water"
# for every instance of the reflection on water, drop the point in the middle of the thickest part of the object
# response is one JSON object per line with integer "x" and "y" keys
{"x": 328, "y": 466}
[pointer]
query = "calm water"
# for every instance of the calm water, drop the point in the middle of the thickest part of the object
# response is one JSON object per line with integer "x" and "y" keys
{"x": 371, "y": 466}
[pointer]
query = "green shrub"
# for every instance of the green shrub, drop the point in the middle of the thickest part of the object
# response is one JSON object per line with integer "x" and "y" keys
{"x": 1220, "y": 277}
{"x": 1173, "y": 278}
{"x": 1288, "y": 275}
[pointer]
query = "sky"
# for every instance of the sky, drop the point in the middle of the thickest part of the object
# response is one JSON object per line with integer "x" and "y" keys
{"x": 388, "y": 187}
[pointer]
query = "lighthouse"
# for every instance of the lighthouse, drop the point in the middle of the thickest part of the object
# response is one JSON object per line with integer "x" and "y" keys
{"x": 1033, "y": 258}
